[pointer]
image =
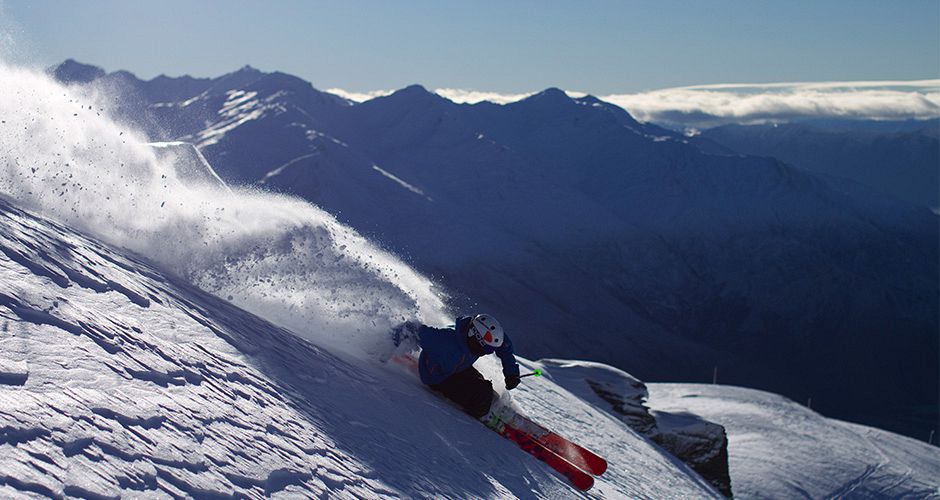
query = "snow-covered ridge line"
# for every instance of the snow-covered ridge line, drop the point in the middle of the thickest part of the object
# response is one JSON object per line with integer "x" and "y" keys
{"x": 688, "y": 107}
{"x": 125, "y": 381}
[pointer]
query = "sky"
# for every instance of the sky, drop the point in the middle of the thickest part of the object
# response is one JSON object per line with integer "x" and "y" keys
{"x": 599, "y": 47}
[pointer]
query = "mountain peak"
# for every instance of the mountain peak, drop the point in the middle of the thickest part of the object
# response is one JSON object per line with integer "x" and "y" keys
{"x": 622, "y": 115}
{"x": 72, "y": 71}
{"x": 589, "y": 99}
{"x": 248, "y": 69}
{"x": 413, "y": 89}
{"x": 551, "y": 96}
{"x": 281, "y": 81}
{"x": 245, "y": 75}
{"x": 412, "y": 94}
{"x": 553, "y": 93}
{"x": 182, "y": 78}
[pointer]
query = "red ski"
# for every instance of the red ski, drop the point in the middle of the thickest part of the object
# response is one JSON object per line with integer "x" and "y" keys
{"x": 569, "y": 459}
{"x": 577, "y": 477}
{"x": 578, "y": 455}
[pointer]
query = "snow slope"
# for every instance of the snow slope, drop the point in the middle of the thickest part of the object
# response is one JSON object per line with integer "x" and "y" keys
{"x": 119, "y": 379}
{"x": 780, "y": 449}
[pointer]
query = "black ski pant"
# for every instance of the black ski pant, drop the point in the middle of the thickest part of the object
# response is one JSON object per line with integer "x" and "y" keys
{"x": 469, "y": 390}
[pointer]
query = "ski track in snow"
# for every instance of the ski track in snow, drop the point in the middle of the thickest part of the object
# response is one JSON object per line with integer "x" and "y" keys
{"x": 119, "y": 380}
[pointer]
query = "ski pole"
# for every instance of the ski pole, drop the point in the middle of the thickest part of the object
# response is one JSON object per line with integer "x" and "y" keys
{"x": 537, "y": 372}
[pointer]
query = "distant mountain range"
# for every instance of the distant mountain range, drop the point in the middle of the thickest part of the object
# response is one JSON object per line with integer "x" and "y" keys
{"x": 898, "y": 158}
{"x": 591, "y": 235}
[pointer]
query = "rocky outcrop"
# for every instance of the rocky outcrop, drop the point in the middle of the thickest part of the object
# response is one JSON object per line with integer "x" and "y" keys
{"x": 700, "y": 444}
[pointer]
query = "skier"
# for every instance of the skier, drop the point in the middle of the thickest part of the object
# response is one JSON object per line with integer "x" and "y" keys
{"x": 446, "y": 365}
{"x": 448, "y": 354}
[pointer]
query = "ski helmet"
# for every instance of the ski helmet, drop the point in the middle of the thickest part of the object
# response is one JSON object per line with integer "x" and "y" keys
{"x": 486, "y": 330}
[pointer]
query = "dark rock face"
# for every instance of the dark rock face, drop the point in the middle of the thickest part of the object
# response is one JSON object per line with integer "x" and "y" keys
{"x": 700, "y": 444}
{"x": 631, "y": 410}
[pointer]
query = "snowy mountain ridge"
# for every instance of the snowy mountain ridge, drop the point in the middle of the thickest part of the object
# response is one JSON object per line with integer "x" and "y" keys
{"x": 608, "y": 239}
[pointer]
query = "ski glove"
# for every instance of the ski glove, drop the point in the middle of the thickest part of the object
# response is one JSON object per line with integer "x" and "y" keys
{"x": 512, "y": 381}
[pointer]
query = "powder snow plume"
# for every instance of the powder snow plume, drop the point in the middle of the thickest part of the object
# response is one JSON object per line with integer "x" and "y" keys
{"x": 284, "y": 259}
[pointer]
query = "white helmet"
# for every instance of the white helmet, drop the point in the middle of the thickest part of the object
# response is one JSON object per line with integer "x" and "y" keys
{"x": 486, "y": 330}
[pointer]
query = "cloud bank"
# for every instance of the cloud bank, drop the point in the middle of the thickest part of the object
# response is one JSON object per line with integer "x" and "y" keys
{"x": 475, "y": 96}
{"x": 704, "y": 106}
{"x": 359, "y": 96}
{"x": 456, "y": 95}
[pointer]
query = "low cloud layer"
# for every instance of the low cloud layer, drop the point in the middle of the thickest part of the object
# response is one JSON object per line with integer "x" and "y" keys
{"x": 359, "y": 96}
{"x": 710, "y": 105}
{"x": 475, "y": 96}
{"x": 704, "y": 106}
{"x": 456, "y": 95}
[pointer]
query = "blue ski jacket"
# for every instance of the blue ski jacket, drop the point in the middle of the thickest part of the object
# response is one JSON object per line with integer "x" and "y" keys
{"x": 444, "y": 352}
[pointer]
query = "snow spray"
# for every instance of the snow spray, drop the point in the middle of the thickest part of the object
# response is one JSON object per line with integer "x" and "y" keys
{"x": 63, "y": 156}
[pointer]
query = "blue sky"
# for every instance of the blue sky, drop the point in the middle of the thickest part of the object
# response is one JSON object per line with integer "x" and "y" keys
{"x": 601, "y": 47}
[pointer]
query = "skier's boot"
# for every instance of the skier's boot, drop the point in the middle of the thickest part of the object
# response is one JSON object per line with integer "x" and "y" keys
{"x": 499, "y": 414}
